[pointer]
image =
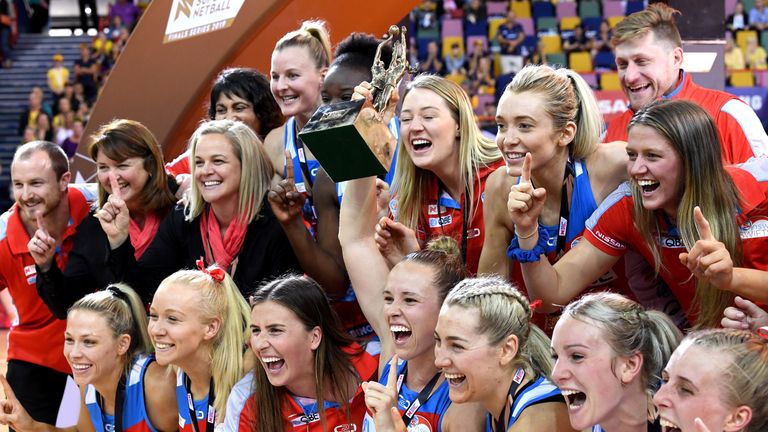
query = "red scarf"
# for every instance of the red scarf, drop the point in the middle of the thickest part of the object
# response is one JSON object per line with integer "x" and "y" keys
{"x": 142, "y": 237}
{"x": 224, "y": 250}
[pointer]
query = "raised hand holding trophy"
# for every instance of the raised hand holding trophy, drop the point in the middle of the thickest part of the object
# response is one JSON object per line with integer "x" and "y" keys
{"x": 351, "y": 139}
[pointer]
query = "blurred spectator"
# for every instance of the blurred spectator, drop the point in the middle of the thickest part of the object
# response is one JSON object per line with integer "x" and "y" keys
{"x": 578, "y": 41}
{"x": 478, "y": 52}
{"x": 432, "y": 64}
{"x": 63, "y": 108}
{"x": 28, "y": 135}
{"x": 738, "y": 20}
{"x": 511, "y": 35}
{"x": 69, "y": 145}
{"x": 487, "y": 121}
{"x": 102, "y": 44}
{"x": 58, "y": 76}
{"x": 475, "y": 12}
{"x": 755, "y": 54}
{"x": 539, "y": 57}
{"x": 84, "y": 111}
{"x": 69, "y": 93}
{"x": 482, "y": 81}
{"x": 115, "y": 27}
{"x": 733, "y": 57}
{"x": 126, "y": 10}
{"x": 38, "y": 21}
{"x": 602, "y": 40}
{"x": 44, "y": 131}
{"x": 425, "y": 15}
{"x": 758, "y": 17}
{"x": 455, "y": 60}
{"x": 413, "y": 53}
{"x": 88, "y": 14}
{"x": 86, "y": 72}
{"x": 29, "y": 116}
{"x": 64, "y": 129}
{"x": 6, "y": 19}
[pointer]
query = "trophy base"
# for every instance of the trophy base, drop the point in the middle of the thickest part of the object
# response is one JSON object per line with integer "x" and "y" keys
{"x": 349, "y": 140}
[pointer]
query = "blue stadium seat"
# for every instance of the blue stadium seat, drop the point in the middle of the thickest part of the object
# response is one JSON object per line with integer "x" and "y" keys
{"x": 605, "y": 60}
{"x": 542, "y": 9}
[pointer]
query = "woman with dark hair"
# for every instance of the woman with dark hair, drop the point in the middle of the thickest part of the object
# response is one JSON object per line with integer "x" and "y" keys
{"x": 309, "y": 371}
{"x": 240, "y": 94}
{"x": 127, "y": 158}
{"x": 243, "y": 94}
{"x": 121, "y": 386}
{"x": 661, "y": 213}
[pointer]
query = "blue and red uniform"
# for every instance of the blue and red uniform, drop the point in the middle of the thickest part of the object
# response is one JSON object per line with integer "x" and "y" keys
{"x": 429, "y": 416}
{"x": 202, "y": 408}
{"x": 301, "y": 414}
{"x": 134, "y": 412}
{"x": 441, "y": 215}
{"x": 612, "y": 230}
{"x": 535, "y": 392}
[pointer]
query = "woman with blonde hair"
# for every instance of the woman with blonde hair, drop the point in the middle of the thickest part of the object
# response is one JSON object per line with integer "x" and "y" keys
{"x": 549, "y": 129}
{"x": 227, "y": 220}
{"x": 715, "y": 381}
{"x": 198, "y": 323}
{"x": 443, "y": 161}
{"x": 129, "y": 162}
{"x": 608, "y": 354}
{"x": 490, "y": 353}
{"x": 122, "y": 387}
{"x": 661, "y": 213}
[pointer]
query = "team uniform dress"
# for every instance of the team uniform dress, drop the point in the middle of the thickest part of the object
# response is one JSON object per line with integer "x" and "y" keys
{"x": 582, "y": 205}
{"x": 301, "y": 414}
{"x": 134, "y": 412}
{"x": 441, "y": 215}
{"x": 741, "y": 132}
{"x": 35, "y": 367}
{"x": 428, "y": 416}
{"x": 537, "y": 391}
{"x": 611, "y": 229}
{"x": 202, "y": 409}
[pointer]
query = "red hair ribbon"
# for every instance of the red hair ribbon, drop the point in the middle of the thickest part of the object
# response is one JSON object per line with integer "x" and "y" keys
{"x": 763, "y": 332}
{"x": 535, "y": 305}
{"x": 217, "y": 273}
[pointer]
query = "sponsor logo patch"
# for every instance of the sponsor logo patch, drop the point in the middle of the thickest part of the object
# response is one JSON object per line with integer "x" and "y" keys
{"x": 754, "y": 229}
{"x": 440, "y": 221}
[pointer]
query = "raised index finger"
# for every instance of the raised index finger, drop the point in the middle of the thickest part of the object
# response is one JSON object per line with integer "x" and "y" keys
{"x": 702, "y": 225}
{"x": 115, "y": 186}
{"x": 526, "y": 174}
{"x": 9, "y": 394}
{"x": 392, "y": 378}
{"x": 288, "y": 166}
{"x": 41, "y": 222}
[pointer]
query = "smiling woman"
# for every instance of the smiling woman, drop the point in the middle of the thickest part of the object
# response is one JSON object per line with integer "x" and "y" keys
{"x": 226, "y": 219}
{"x": 309, "y": 373}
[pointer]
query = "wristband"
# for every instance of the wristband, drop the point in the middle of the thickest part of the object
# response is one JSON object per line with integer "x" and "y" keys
{"x": 528, "y": 256}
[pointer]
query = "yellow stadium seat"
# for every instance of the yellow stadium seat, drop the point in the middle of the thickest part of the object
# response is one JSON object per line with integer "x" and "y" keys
{"x": 580, "y": 62}
{"x": 522, "y": 8}
{"x": 493, "y": 27}
{"x": 569, "y": 23}
{"x": 612, "y": 21}
{"x": 609, "y": 81}
{"x": 448, "y": 41}
{"x": 552, "y": 44}
{"x": 744, "y": 78}
{"x": 742, "y": 36}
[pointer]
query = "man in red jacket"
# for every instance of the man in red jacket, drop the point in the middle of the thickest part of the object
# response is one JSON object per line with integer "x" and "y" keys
{"x": 649, "y": 57}
{"x": 45, "y": 205}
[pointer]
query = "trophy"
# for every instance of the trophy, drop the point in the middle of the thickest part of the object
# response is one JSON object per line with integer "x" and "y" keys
{"x": 350, "y": 139}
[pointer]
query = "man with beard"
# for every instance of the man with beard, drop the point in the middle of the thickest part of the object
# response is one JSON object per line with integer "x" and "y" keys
{"x": 47, "y": 211}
